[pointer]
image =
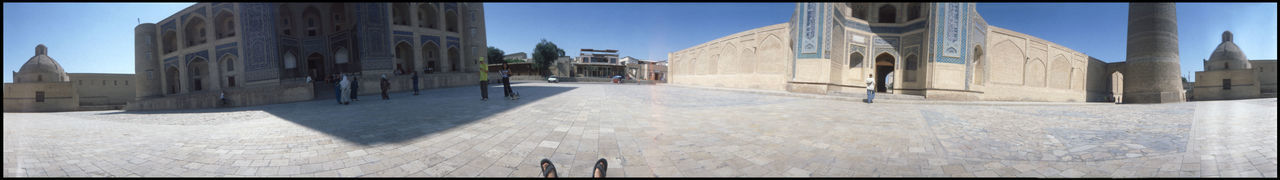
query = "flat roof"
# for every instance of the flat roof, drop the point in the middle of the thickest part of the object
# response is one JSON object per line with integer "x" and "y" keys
{"x": 600, "y": 50}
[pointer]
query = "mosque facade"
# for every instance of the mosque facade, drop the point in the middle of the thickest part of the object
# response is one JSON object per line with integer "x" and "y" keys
{"x": 936, "y": 50}
{"x": 259, "y": 53}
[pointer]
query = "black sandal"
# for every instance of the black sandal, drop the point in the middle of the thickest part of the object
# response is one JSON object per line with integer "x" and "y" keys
{"x": 602, "y": 166}
{"x": 550, "y": 168}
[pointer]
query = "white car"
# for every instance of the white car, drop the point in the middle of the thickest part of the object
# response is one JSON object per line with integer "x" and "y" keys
{"x": 552, "y": 79}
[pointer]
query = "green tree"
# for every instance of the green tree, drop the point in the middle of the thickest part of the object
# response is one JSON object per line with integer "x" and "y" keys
{"x": 495, "y": 55}
{"x": 544, "y": 54}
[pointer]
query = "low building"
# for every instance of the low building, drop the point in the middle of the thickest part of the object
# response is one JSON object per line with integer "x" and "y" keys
{"x": 1229, "y": 74}
{"x": 597, "y": 63}
{"x": 41, "y": 85}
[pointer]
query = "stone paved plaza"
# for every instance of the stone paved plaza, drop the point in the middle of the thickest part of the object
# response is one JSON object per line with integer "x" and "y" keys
{"x": 650, "y": 130}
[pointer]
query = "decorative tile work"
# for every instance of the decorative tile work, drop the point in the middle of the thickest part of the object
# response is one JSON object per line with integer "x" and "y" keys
{"x": 890, "y": 41}
{"x": 314, "y": 45}
{"x": 950, "y": 33}
{"x": 434, "y": 39}
{"x": 826, "y": 37}
{"x": 911, "y": 50}
{"x": 171, "y": 62}
{"x": 338, "y": 36}
{"x": 227, "y": 45}
{"x": 891, "y": 29}
{"x": 452, "y": 42}
{"x": 450, "y": 6}
{"x": 193, "y": 56}
{"x": 858, "y": 49}
{"x": 197, "y": 11}
{"x": 226, "y": 49}
{"x": 218, "y": 7}
{"x": 406, "y": 39}
{"x": 855, "y": 25}
{"x": 811, "y": 30}
{"x": 257, "y": 21}
{"x": 402, "y": 33}
{"x": 168, "y": 26}
{"x": 373, "y": 33}
{"x": 913, "y": 39}
{"x": 229, "y": 51}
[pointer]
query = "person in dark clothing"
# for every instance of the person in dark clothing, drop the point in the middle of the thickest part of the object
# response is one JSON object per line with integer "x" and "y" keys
{"x": 386, "y": 85}
{"x": 415, "y": 83}
{"x": 484, "y": 79}
{"x": 506, "y": 81}
{"x": 355, "y": 88}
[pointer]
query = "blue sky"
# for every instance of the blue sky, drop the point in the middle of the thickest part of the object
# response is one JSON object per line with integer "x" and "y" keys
{"x": 97, "y": 37}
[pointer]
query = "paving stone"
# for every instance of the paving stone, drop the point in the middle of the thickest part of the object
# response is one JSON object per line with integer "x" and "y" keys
{"x": 672, "y": 131}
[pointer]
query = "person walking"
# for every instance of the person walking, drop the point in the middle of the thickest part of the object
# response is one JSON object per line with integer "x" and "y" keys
{"x": 871, "y": 87}
{"x": 415, "y": 83}
{"x": 222, "y": 95}
{"x": 386, "y": 85}
{"x": 355, "y": 88}
{"x": 337, "y": 91}
{"x": 506, "y": 81}
{"x": 484, "y": 79}
{"x": 346, "y": 90}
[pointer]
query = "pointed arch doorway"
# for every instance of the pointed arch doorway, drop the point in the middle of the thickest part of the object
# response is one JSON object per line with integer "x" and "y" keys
{"x": 884, "y": 67}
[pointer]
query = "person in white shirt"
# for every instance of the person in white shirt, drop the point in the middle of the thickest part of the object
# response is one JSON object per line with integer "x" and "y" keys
{"x": 871, "y": 87}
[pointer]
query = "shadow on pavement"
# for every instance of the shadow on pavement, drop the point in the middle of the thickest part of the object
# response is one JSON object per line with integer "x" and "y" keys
{"x": 372, "y": 120}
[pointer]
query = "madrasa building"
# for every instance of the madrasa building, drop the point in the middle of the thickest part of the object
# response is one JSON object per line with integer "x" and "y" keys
{"x": 937, "y": 51}
{"x": 262, "y": 53}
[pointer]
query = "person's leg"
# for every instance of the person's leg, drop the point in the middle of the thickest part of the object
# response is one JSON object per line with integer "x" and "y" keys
{"x": 506, "y": 87}
{"x": 484, "y": 90}
{"x": 871, "y": 96}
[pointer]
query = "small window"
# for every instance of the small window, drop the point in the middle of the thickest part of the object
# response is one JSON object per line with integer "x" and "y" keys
{"x": 39, "y": 78}
{"x": 39, "y": 96}
{"x": 1226, "y": 84}
{"x": 231, "y": 81}
{"x": 81, "y": 82}
{"x": 115, "y": 83}
{"x": 126, "y": 82}
{"x": 151, "y": 75}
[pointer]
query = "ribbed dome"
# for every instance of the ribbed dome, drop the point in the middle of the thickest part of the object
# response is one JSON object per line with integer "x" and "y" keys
{"x": 41, "y": 68}
{"x": 1227, "y": 55}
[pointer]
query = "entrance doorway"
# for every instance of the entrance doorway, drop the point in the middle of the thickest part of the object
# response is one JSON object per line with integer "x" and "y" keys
{"x": 315, "y": 65}
{"x": 884, "y": 66}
